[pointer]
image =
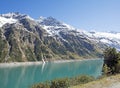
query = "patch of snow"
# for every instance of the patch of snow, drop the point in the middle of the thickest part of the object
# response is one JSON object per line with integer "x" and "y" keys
{"x": 16, "y": 16}
{"x": 47, "y": 29}
{"x": 6, "y": 20}
{"x": 69, "y": 27}
{"x": 9, "y": 15}
{"x": 106, "y": 41}
{"x": 107, "y": 35}
{"x": 51, "y": 29}
{"x": 111, "y": 39}
{"x": 29, "y": 17}
{"x": 52, "y": 32}
{"x": 41, "y": 18}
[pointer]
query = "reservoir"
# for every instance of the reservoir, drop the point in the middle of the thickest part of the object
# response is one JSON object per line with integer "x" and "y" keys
{"x": 26, "y": 75}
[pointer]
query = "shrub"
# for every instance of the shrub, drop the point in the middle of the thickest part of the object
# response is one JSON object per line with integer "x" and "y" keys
{"x": 85, "y": 79}
{"x": 41, "y": 85}
{"x": 106, "y": 70}
{"x": 81, "y": 80}
{"x": 60, "y": 83}
{"x": 111, "y": 61}
{"x": 65, "y": 82}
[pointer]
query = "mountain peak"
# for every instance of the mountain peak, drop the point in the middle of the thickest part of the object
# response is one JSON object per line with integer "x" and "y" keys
{"x": 15, "y": 15}
{"x": 40, "y": 19}
{"x": 11, "y": 15}
{"x": 50, "y": 18}
{"x": 50, "y": 21}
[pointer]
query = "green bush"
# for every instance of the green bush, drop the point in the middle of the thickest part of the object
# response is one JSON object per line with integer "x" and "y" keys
{"x": 41, "y": 85}
{"x": 60, "y": 83}
{"x": 106, "y": 70}
{"x": 84, "y": 79}
{"x": 80, "y": 80}
{"x": 65, "y": 82}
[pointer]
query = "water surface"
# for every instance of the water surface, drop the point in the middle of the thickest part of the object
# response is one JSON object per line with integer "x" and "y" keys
{"x": 25, "y": 76}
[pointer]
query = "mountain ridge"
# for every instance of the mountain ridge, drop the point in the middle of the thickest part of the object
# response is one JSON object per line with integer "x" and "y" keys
{"x": 27, "y": 39}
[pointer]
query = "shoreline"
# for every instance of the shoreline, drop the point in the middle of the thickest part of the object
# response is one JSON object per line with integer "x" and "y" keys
{"x": 15, "y": 64}
{"x": 62, "y": 61}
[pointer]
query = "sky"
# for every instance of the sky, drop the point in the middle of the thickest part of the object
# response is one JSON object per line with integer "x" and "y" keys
{"x": 90, "y": 15}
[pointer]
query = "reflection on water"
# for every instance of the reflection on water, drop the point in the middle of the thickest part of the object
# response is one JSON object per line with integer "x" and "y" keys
{"x": 43, "y": 65}
{"x": 25, "y": 76}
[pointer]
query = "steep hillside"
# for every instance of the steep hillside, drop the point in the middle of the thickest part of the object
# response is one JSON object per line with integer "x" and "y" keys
{"x": 24, "y": 39}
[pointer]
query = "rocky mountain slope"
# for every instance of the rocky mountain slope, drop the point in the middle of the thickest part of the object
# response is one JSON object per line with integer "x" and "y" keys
{"x": 24, "y": 39}
{"x": 109, "y": 38}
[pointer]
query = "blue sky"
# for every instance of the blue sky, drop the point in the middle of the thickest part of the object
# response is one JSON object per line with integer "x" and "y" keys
{"x": 99, "y": 15}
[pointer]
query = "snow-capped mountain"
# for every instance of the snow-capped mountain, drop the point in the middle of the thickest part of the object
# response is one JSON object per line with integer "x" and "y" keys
{"x": 109, "y": 38}
{"x": 11, "y": 18}
{"x": 54, "y": 27}
{"x": 23, "y": 38}
{"x": 4, "y": 20}
{"x": 15, "y": 16}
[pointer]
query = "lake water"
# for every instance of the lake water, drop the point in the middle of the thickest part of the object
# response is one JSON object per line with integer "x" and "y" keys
{"x": 25, "y": 76}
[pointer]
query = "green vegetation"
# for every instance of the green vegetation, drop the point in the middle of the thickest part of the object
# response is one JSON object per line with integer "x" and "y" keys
{"x": 111, "y": 61}
{"x": 106, "y": 82}
{"x": 64, "y": 82}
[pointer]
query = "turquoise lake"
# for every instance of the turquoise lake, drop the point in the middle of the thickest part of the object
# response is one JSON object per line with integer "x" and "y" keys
{"x": 26, "y": 76}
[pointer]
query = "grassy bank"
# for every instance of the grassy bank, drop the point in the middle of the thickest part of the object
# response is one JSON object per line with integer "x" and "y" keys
{"x": 106, "y": 82}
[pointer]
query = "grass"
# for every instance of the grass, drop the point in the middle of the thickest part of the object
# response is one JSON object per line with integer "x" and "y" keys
{"x": 105, "y": 82}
